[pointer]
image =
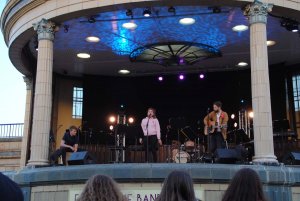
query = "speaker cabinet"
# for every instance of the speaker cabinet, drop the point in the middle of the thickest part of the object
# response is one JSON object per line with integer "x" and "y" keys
{"x": 292, "y": 158}
{"x": 227, "y": 156}
{"x": 80, "y": 158}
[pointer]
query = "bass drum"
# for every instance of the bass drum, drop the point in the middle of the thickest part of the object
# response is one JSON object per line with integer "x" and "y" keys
{"x": 180, "y": 156}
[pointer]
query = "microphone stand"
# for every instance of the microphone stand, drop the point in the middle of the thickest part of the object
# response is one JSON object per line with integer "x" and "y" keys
{"x": 147, "y": 151}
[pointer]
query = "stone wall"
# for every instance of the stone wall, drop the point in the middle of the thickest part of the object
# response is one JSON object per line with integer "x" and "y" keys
{"x": 10, "y": 154}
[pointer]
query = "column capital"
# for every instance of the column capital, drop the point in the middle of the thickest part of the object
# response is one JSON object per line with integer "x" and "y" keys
{"x": 28, "y": 81}
{"x": 45, "y": 29}
{"x": 257, "y": 12}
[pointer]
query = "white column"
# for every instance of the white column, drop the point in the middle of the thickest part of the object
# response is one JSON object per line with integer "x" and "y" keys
{"x": 43, "y": 95}
{"x": 262, "y": 122}
{"x": 24, "y": 154}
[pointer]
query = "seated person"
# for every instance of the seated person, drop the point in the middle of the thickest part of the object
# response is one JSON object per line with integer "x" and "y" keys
{"x": 69, "y": 143}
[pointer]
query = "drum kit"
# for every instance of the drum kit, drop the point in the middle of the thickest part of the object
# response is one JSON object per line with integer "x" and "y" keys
{"x": 189, "y": 152}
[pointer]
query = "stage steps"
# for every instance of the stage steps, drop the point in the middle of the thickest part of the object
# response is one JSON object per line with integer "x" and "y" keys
{"x": 10, "y": 154}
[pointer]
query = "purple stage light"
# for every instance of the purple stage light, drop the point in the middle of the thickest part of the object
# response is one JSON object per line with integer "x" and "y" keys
{"x": 181, "y": 77}
{"x": 160, "y": 78}
{"x": 201, "y": 76}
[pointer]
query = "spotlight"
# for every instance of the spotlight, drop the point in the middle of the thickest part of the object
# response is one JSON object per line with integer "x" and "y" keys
{"x": 129, "y": 25}
{"x": 131, "y": 120}
{"x": 112, "y": 119}
{"x": 202, "y": 76}
{"x": 111, "y": 127}
{"x": 171, "y": 9}
{"x": 232, "y": 116}
{"x": 251, "y": 114}
{"x": 235, "y": 125}
{"x": 66, "y": 28}
{"x": 216, "y": 9}
{"x": 92, "y": 39}
{"x": 271, "y": 42}
{"x": 91, "y": 19}
{"x": 160, "y": 78}
{"x": 83, "y": 55}
{"x": 240, "y": 28}
{"x": 187, "y": 21}
{"x": 290, "y": 25}
{"x": 181, "y": 77}
{"x": 147, "y": 13}
{"x": 242, "y": 64}
{"x": 123, "y": 71}
{"x": 129, "y": 13}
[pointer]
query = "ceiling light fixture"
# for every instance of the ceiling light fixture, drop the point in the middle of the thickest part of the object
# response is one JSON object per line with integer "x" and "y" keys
{"x": 83, "y": 55}
{"x": 147, "y": 12}
{"x": 123, "y": 71}
{"x": 240, "y": 28}
{"x": 92, "y": 39}
{"x": 242, "y": 64}
{"x": 187, "y": 21}
{"x": 271, "y": 43}
{"x": 129, "y": 25}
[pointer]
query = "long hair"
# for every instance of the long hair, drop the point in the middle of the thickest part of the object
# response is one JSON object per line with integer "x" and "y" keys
{"x": 101, "y": 188}
{"x": 178, "y": 186}
{"x": 245, "y": 186}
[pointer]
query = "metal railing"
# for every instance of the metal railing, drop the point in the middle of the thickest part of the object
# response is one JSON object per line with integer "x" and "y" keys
{"x": 11, "y": 130}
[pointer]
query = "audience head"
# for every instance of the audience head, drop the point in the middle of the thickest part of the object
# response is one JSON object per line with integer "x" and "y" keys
{"x": 9, "y": 190}
{"x": 178, "y": 186}
{"x": 245, "y": 186}
{"x": 101, "y": 188}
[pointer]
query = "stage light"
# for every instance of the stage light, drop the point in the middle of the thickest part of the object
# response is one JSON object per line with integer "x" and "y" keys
{"x": 290, "y": 25}
{"x": 66, "y": 28}
{"x": 171, "y": 9}
{"x": 160, "y": 78}
{"x": 242, "y": 64}
{"x": 187, "y": 21}
{"x": 112, "y": 119}
{"x": 147, "y": 13}
{"x": 129, "y": 13}
{"x": 181, "y": 77}
{"x": 36, "y": 47}
{"x": 270, "y": 42}
{"x": 216, "y": 9}
{"x": 240, "y": 28}
{"x": 123, "y": 71}
{"x": 111, "y": 127}
{"x": 242, "y": 101}
{"x": 131, "y": 120}
{"x": 232, "y": 116}
{"x": 129, "y": 25}
{"x": 235, "y": 125}
{"x": 91, "y": 19}
{"x": 92, "y": 39}
{"x": 251, "y": 114}
{"x": 83, "y": 55}
{"x": 202, "y": 76}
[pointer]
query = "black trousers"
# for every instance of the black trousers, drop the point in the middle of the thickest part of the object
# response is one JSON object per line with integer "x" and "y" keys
{"x": 216, "y": 141}
{"x": 62, "y": 152}
{"x": 152, "y": 147}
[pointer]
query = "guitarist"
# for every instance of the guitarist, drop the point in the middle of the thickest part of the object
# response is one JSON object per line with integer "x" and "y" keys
{"x": 216, "y": 126}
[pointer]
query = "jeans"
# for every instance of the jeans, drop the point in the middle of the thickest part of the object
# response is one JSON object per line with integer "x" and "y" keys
{"x": 216, "y": 141}
{"x": 62, "y": 152}
{"x": 152, "y": 147}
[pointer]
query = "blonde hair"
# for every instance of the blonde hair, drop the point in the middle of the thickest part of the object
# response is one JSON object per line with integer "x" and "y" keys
{"x": 101, "y": 188}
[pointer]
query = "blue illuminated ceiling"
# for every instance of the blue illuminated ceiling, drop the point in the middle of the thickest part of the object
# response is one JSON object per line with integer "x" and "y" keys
{"x": 116, "y": 43}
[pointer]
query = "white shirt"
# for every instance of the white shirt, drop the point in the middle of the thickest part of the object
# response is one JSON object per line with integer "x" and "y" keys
{"x": 151, "y": 126}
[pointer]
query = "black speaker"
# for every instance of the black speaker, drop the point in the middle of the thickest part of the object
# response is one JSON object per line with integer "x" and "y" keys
{"x": 80, "y": 158}
{"x": 292, "y": 158}
{"x": 227, "y": 156}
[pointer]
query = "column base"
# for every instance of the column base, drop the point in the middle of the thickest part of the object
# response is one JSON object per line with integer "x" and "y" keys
{"x": 265, "y": 160}
{"x": 37, "y": 163}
